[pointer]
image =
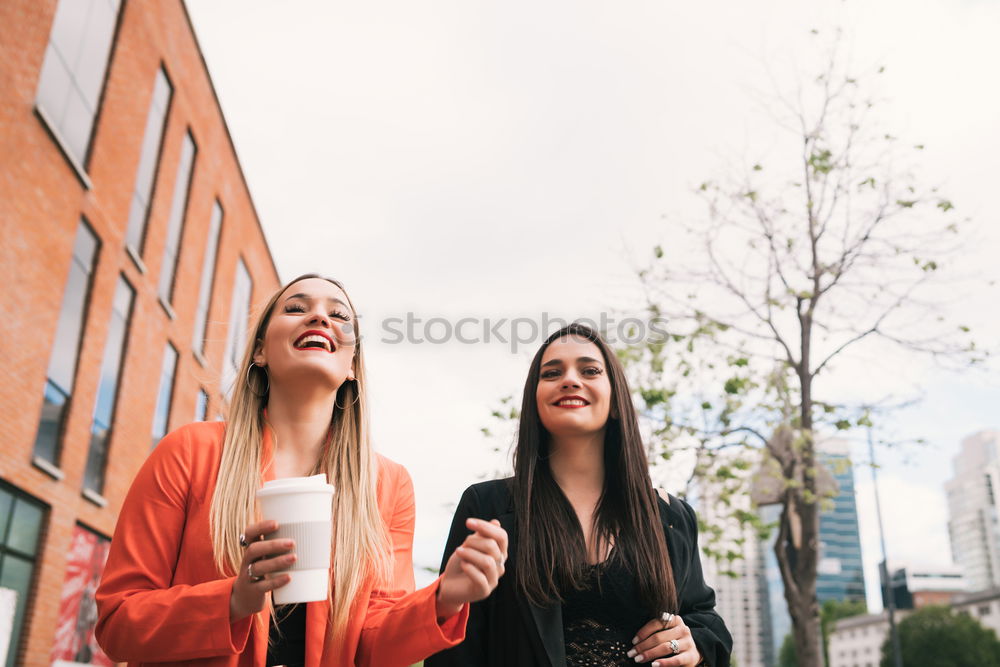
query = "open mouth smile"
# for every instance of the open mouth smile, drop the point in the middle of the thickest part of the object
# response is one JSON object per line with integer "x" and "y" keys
{"x": 571, "y": 402}
{"x": 315, "y": 340}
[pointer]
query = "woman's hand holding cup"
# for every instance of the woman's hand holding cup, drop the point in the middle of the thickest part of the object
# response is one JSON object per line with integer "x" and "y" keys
{"x": 260, "y": 557}
{"x": 474, "y": 568}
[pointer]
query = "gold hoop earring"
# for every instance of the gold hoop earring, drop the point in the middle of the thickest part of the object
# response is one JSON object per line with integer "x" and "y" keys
{"x": 357, "y": 397}
{"x": 267, "y": 382}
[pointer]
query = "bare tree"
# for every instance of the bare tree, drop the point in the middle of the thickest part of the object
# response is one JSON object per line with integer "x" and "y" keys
{"x": 828, "y": 252}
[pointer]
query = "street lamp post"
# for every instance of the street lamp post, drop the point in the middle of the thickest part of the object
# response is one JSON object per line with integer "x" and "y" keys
{"x": 897, "y": 652}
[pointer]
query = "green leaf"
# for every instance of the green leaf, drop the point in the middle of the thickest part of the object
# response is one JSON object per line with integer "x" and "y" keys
{"x": 820, "y": 161}
{"x": 734, "y": 385}
{"x": 658, "y": 252}
{"x": 945, "y": 205}
{"x": 842, "y": 424}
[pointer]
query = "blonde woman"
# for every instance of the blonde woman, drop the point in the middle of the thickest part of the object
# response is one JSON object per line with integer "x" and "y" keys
{"x": 190, "y": 569}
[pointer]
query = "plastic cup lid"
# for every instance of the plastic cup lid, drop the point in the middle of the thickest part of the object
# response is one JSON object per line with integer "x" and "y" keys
{"x": 295, "y": 485}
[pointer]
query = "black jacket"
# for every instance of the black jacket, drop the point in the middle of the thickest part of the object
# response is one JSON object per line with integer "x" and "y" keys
{"x": 504, "y": 630}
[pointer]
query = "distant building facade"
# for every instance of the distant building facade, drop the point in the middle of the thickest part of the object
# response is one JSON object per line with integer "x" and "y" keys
{"x": 132, "y": 257}
{"x": 741, "y": 585}
{"x": 984, "y": 606}
{"x": 972, "y": 510}
{"x": 857, "y": 641}
{"x": 915, "y": 587}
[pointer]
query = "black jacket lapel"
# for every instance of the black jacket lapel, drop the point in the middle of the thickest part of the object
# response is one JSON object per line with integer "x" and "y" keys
{"x": 548, "y": 620}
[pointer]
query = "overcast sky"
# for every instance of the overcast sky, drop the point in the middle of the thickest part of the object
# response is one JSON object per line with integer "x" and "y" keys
{"x": 463, "y": 159}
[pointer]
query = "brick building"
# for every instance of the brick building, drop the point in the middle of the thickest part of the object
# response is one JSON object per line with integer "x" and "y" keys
{"x": 132, "y": 256}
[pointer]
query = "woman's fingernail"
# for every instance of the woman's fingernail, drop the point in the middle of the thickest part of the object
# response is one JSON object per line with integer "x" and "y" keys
{"x": 631, "y": 653}
{"x": 638, "y": 658}
{"x": 635, "y": 640}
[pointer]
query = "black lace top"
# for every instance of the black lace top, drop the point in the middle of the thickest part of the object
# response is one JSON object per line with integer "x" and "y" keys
{"x": 600, "y": 622}
{"x": 288, "y": 647}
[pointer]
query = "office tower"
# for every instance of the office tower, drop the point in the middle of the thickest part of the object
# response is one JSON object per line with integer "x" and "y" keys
{"x": 972, "y": 510}
{"x": 741, "y": 585}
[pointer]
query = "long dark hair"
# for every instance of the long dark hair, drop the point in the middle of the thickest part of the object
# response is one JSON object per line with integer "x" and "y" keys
{"x": 551, "y": 554}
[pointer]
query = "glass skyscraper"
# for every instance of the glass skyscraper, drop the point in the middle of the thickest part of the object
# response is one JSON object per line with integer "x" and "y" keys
{"x": 840, "y": 571}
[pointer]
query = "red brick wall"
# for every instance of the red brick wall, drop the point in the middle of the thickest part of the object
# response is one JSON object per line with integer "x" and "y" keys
{"x": 41, "y": 201}
{"x": 925, "y": 598}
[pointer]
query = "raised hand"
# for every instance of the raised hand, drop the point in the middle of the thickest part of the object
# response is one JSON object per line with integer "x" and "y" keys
{"x": 474, "y": 568}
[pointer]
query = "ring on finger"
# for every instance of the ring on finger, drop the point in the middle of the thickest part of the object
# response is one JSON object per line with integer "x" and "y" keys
{"x": 243, "y": 541}
{"x": 675, "y": 648}
{"x": 250, "y": 574}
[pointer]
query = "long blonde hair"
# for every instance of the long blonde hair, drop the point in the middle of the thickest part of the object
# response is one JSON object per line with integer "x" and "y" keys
{"x": 360, "y": 540}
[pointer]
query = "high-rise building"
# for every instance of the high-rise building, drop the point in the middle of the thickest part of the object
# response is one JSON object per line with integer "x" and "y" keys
{"x": 840, "y": 573}
{"x": 972, "y": 510}
{"x": 741, "y": 591}
{"x": 132, "y": 255}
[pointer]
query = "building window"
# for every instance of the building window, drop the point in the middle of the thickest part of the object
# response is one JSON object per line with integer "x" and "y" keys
{"x": 201, "y": 407}
{"x": 20, "y": 527}
{"x": 107, "y": 389}
{"x": 161, "y": 419}
{"x": 239, "y": 316}
{"x": 76, "y": 60}
{"x": 207, "y": 278}
{"x": 175, "y": 224}
{"x": 66, "y": 348}
{"x": 74, "y": 641}
{"x": 152, "y": 142}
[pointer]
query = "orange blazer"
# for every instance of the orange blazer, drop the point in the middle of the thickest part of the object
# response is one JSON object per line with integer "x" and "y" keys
{"x": 163, "y": 600}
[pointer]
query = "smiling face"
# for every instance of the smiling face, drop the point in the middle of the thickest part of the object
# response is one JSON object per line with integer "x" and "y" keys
{"x": 310, "y": 335}
{"x": 574, "y": 392}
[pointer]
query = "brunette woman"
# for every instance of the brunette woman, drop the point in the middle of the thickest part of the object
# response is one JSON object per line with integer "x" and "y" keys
{"x": 190, "y": 569}
{"x": 603, "y": 571}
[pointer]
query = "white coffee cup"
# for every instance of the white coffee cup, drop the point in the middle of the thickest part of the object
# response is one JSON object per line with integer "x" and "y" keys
{"x": 302, "y": 507}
